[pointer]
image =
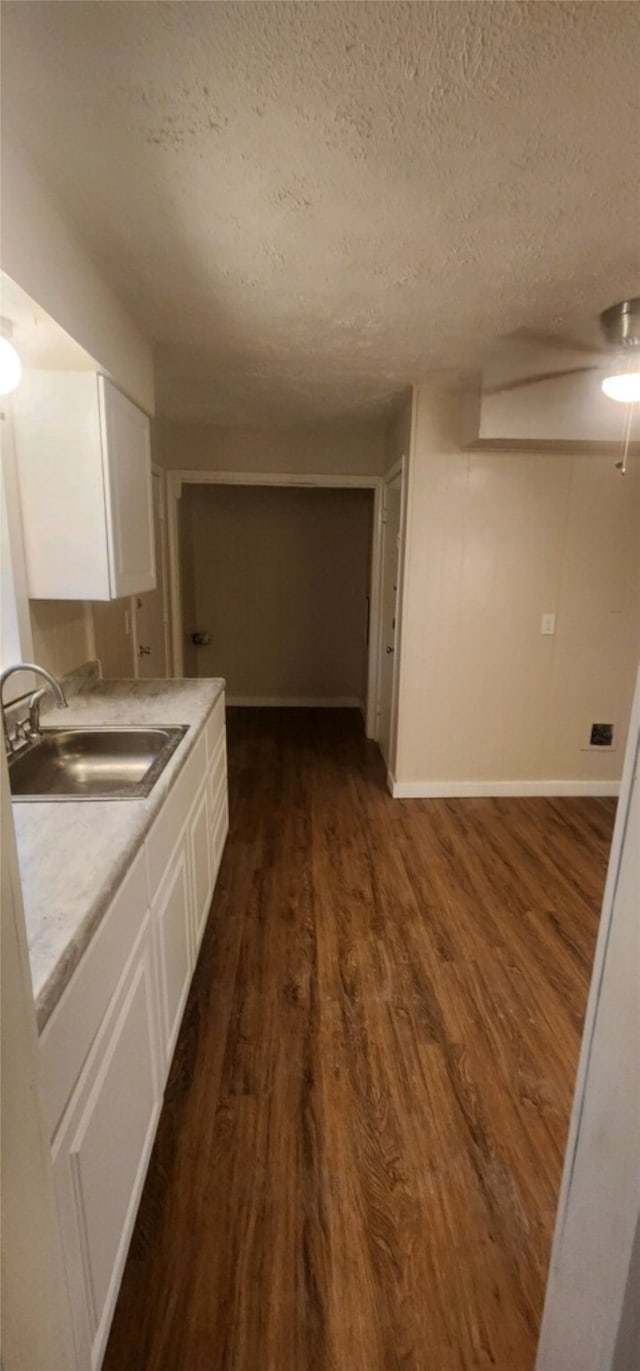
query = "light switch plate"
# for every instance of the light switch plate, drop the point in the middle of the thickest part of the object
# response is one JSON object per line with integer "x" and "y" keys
{"x": 548, "y": 624}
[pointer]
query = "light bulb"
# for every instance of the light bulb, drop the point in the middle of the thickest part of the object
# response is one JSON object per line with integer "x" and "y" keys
{"x": 624, "y": 387}
{"x": 10, "y": 367}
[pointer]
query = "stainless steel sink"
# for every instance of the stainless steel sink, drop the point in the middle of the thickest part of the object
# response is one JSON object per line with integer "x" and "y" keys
{"x": 92, "y": 763}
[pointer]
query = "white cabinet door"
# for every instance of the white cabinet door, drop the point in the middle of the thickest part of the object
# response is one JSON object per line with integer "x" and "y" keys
{"x": 128, "y": 491}
{"x": 172, "y": 916}
{"x": 200, "y": 864}
{"x": 68, "y": 1034}
{"x": 219, "y": 829}
{"x": 102, "y": 1150}
{"x": 84, "y": 473}
{"x": 218, "y": 788}
{"x": 59, "y": 461}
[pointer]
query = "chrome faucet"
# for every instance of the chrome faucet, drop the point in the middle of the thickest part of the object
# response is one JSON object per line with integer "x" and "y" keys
{"x": 28, "y": 728}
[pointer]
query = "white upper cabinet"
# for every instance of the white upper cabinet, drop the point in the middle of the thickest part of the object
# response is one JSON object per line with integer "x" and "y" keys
{"x": 84, "y": 471}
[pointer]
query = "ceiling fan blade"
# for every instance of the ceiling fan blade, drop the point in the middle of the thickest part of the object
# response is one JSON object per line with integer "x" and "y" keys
{"x": 556, "y": 340}
{"x": 536, "y": 380}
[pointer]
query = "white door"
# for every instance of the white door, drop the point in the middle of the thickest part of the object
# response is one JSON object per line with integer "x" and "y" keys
{"x": 590, "y": 1316}
{"x": 150, "y": 614}
{"x": 392, "y": 514}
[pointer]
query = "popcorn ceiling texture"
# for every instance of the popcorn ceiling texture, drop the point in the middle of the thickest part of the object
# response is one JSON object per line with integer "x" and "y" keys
{"x": 310, "y": 206}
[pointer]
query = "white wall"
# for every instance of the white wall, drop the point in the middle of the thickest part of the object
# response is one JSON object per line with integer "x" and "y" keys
{"x": 397, "y": 438}
{"x": 355, "y": 451}
{"x": 494, "y": 540}
{"x": 280, "y": 581}
{"x": 15, "y": 622}
{"x": 45, "y": 255}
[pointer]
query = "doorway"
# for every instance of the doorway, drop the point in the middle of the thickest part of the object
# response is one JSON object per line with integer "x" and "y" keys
{"x": 275, "y": 592}
{"x": 277, "y": 578}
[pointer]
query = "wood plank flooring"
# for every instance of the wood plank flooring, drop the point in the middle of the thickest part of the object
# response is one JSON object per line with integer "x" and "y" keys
{"x": 359, "y": 1155}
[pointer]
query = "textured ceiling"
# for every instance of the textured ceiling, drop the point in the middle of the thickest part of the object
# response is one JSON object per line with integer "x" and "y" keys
{"x": 309, "y": 206}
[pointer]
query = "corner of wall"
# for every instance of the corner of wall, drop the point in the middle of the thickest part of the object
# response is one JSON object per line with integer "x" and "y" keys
{"x": 43, "y": 252}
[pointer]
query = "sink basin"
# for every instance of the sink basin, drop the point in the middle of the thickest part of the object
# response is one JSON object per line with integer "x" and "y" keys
{"x": 93, "y": 763}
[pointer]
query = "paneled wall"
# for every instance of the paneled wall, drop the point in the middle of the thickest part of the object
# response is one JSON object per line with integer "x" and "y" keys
{"x": 279, "y": 581}
{"x": 496, "y": 540}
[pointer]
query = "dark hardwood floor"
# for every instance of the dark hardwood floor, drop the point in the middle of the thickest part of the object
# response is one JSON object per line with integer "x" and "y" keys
{"x": 359, "y": 1155}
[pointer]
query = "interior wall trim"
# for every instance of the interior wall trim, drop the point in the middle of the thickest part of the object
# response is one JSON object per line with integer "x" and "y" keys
{"x": 294, "y": 702}
{"x": 441, "y": 790}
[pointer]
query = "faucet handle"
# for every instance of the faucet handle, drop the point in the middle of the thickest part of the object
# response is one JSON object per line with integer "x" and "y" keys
{"x": 34, "y": 702}
{"x": 18, "y": 737}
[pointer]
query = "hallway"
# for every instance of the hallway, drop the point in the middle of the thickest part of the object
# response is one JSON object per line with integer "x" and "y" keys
{"x": 358, "y": 1159}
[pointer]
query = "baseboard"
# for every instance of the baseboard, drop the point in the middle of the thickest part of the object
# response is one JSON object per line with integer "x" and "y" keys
{"x": 293, "y": 702}
{"x": 441, "y": 790}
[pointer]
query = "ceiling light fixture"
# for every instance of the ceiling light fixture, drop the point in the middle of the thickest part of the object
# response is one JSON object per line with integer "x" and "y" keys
{"x": 10, "y": 364}
{"x": 621, "y": 327}
{"x": 623, "y": 386}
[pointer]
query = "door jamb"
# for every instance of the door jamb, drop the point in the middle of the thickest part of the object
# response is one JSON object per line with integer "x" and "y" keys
{"x": 159, "y": 472}
{"x": 177, "y": 479}
{"x": 398, "y": 469}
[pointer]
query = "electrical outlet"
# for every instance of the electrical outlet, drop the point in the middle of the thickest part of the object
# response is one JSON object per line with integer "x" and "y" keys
{"x": 601, "y": 735}
{"x": 548, "y": 625}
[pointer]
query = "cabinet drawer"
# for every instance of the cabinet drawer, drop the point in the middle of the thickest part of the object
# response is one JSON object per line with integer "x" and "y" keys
{"x": 69, "y": 1033}
{"x": 215, "y": 726}
{"x": 164, "y": 835}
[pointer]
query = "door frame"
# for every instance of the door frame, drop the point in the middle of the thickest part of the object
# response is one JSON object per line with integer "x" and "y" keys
{"x": 159, "y": 472}
{"x": 399, "y": 469}
{"x": 175, "y": 482}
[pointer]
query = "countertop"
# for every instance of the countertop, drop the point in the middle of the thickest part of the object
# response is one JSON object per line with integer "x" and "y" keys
{"x": 74, "y": 854}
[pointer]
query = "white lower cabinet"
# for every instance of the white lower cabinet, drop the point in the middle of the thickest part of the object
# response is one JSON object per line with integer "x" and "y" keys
{"x": 107, "y": 1048}
{"x": 172, "y": 921}
{"x": 218, "y": 800}
{"x": 201, "y": 865}
{"x": 219, "y": 827}
{"x": 101, "y": 1151}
